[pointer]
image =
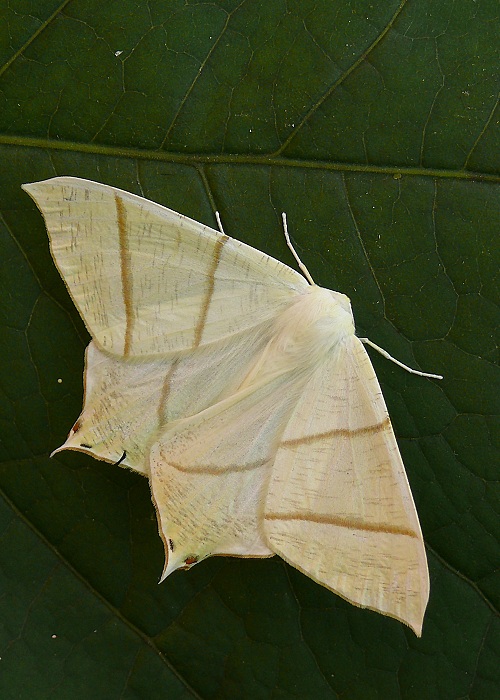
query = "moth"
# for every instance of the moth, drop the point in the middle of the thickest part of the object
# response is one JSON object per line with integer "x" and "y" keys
{"x": 239, "y": 388}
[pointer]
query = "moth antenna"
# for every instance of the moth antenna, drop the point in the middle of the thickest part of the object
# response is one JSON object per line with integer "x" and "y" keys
{"x": 219, "y": 223}
{"x": 294, "y": 253}
{"x": 397, "y": 362}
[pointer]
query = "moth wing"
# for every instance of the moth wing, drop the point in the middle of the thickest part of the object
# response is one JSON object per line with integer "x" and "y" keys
{"x": 149, "y": 281}
{"x": 209, "y": 473}
{"x": 339, "y": 506}
{"x": 129, "y": 401}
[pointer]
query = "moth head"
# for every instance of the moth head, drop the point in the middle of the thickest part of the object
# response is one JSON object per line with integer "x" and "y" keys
{"x": 343, "y": 301}
{"x": 338, "y": 321}
{"x": 316, "y": 322}
{"x": 333, "y": 310}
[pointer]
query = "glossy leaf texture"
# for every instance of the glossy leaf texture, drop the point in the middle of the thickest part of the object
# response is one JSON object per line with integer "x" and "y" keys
{"x": 375, "y": 127}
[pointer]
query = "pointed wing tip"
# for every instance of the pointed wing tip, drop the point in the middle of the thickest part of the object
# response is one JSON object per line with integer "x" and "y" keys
{"x": 32, "y": 187}
{"x": 75, "y": 447}
{"x": 414, "y": 624}
{"x": 78, "y": 448}
{"x": 164, "y": 574}
{"x": 417, "y": 629}
{"x": 411, "y": 618}
{"x": 173, "y": 563}
{"x": 58, "y": 449}
{"x": 411, "y": 615}
{"x": 29, "y": 187}
{"x": 35, "y": 189}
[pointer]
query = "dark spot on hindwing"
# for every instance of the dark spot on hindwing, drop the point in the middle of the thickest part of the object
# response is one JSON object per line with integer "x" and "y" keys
{"x": 190, "y": 561}
{"x": 121, "y": 458}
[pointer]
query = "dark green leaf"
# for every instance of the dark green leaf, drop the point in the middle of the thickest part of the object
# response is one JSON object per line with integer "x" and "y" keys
{"x": 375, "y": 127}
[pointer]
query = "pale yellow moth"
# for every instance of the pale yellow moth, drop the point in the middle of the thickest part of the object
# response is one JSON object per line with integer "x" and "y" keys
{"x": 238, "y": 387}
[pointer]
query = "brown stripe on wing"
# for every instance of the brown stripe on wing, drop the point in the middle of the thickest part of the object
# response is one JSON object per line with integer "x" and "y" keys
{"x": 338, "y": 432}
{"x": 217, "y": 252}
{"x": 164, "y": 394}
{"x": 216, "y": 471}
{"x": 347, "y": 523}
{"x": 126, "y": 273}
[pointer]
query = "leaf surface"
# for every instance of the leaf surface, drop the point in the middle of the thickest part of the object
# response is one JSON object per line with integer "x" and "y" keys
{"x": 375, "y": 127}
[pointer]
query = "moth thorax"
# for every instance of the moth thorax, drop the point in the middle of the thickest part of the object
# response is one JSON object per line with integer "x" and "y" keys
{"x": 314, "y": 323}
